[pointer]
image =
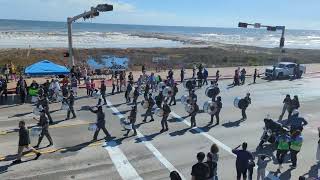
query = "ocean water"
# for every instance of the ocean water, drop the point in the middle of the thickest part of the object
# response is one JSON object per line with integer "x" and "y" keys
{"x": 39, "y": 34}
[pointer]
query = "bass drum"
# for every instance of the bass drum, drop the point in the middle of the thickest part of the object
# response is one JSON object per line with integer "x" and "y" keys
{"x": 167, "y": 91}
{"x": 239, "y": 103}
{"x": 184, "y": 99}
{"x": 188, "y": 84}
{"x": 145, "y": 104}
{"x": 188, "y": 108}
{"x": 158, "y": 112}
{"x": 131, "y": 94}
{"x": 210, "y": 107}
{"x": 236, "y": 102}
{"x": 212, "y": 91}
{"x": 96, "y": 94}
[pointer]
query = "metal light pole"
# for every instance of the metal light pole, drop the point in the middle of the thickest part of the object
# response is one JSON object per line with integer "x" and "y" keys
{"x": 269, "y": 28}
{"x": 86, "y": 15}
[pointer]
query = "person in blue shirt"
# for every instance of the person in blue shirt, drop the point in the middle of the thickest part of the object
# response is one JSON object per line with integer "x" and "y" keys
{"x": 295, "y": 122}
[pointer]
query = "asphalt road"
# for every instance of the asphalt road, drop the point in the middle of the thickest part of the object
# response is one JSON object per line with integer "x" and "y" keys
{"x": 151, "y": 154}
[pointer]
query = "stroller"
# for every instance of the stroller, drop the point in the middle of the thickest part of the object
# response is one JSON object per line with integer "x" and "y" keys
{"x": 270, "y": 132}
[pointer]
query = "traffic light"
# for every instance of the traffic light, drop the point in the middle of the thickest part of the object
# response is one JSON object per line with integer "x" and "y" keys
{"x": 282, "y": 42}
{"x": 96, "y": 13}
{"x": 272, "y": 28}
{"x": 66, "y": 54}
{"x": 242, "y": 25}
{"x": 104, "y": 7}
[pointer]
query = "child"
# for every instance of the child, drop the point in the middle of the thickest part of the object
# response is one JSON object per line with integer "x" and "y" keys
{"x": 250, "y": 168}
{"x": 262, "y": 164}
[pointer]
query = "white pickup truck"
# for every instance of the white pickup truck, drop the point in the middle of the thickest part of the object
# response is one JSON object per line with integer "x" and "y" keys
{"x": 284, "y": 69}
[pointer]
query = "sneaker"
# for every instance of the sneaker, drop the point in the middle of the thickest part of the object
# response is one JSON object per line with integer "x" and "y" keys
{"x": 16, "y": 161}
{"x": 66, "y": 119}
{"x": 144, "y": 121}
{"x": 38, "y": 155}
{"x": 162, "y": 130}
{"x": 51, "y": 144}
{"x": 36, "y": 147}
{"x": 74, "y": 117}
{"x": 151, "y": 120}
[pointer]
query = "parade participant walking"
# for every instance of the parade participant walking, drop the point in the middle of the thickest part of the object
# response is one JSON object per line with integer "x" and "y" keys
{"x": 100, "y": 123}
{"x": 74, "y": 84}
{"x": 152, "y": 82}
{"x": 295, "y": 122}
{"x": 200, "y": 171}
{"x": 192, "y": 95}
{"x": 200, "y": 78}
{"x": 92, "y": 87}
{"x": 103, "y": 90}
{"x": 247, "y": 101}
{"x": 146, "y": 91}
{"x": 127, "y": 93}
{"x": 217, "y": 76}
{"x": 295, "y": 147}
{"x": 135, "y": 95}
{"x": 159, "y": 99}
{"x": 70, "y": 102}
{"x": 166, "y": 111}
{"x": 205, "y": 76}
{"x": 286, "y": 107}
{"x": 149, "y": 109}
{"x": 173, "y": 97}
{"x": 214, "y": 150}
{"x": 132, "y": 117}
{"x": 6, "y": 72}
{"x": 114, "y": 83}
{"x": 243, "y": 76}
{"x": 44, "y": 124}
{"x": 22, "y": 89}
{"x": 282, "y": 142}
{"x": 217, "y": 114}
{"x": 255, "y": 75}
{"x": 295, "y": 104}
{"x": 24, "y": 143}
{"x": 242, "y": 161}
{"x": 170, "y": 74}
{"x": 182, "y": 72}
{"x": 88, "y": 85}
{"x": 44, "y": 102}
{"x": 194, "y": 113}
{"x": 130, "y": 78}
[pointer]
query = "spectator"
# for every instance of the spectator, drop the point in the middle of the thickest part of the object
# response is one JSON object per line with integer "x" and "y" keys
{"x": 212, "y": 167}
{"x": 200, "y": 171}
{"x": 22, "y": 89}
{"x": 174, "y": 175}
{"x": 262, "y": 165}
{"x": 242, "y": 162}
{"x": 6, "y": 72}
{"x": 13, "y": 72}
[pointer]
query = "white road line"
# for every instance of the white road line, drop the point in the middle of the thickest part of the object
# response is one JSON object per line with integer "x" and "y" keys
{"x": 123, "y": 166}
{"x": 149, "y": 145}
{"x": 219, "y": 143}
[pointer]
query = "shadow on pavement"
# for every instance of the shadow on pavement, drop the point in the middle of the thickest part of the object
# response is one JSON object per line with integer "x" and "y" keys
{"x": 233, "y": 124}
{"x": 313, "y": 172}
{"x": 147, "y": 137}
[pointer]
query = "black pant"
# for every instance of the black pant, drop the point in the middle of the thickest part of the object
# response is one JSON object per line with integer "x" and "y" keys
{"x": 71, "y": 110}
{"x": 217, "y": 115}
{"x": 47, "y": 112}
{"x": 181, "y": 78}
{"x": 88, "y": 92}
{"x": 173, "y": 99}
{"x": 22, "y": 97}
{"x": 133, "y": 127}
{"x": 96, "y": 133}
{"x": 205, "y": 81}
{"x": 104, "y": 98}
{"x": 199, "y": 83}
{"x": 254, "y": 79}
{"x": 243, "y": 112}
{"x": 44, "y": 132}
{"x": 148, "y": 113}
{"x": 164, "y": 122}
{"x": 241, "y": 171}
{"x": 135, "y": 100}
{"x": 293, "y": 155}
{"x": 113, "y": 88}
{"x": 281, "y": 155}
{"x": 193, "y": 120}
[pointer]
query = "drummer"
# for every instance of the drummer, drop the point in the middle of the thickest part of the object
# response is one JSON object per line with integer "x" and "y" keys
{"x": 166, "y": 111}
{"x": 100, "y": 123}
{"x": 217, "y": 113}
{"x": 193, "y": 97}
{"x": 44, "y": 102}
{"x": 70, "y": 101}
{"x": 43, "y": 122}
{"x": 132, "y": 117}
{"x": 194, "y": 113}
{"x": 245, "y": 106}
{"x": 135, "y": 95}
{"x": 173, "y": 97}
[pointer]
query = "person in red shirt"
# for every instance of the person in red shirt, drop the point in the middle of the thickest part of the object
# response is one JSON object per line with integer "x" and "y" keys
{"x": 92, "y": 87}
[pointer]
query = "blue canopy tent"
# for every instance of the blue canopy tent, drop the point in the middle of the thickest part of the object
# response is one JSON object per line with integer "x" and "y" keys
{"x": 111, "y": 62}
{"x": 44, "y": 68}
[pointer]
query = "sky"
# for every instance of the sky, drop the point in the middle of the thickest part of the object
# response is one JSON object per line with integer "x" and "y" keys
{"x": 294, "y": 14}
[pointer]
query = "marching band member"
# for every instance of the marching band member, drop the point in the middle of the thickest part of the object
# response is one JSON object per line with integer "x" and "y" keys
{"x": 127, "y": 93}
{"x": 135, "y": 95}
{"x": 132, "y": 117}
{"x": 44, "y": 102}
{"x": 43, "y": 122}
{"x": 100, "y": 123}
{"x": 219, "y": 106}
{"x": 173, "y": 97}
{"x": 149, "y": 110}
{"x": 159, "y": 99}
{"x": 194, "y": 113}
{"x": 103, "y": 90}
{"x": 166, "y": 111}
{"x": 70, "y": 102}
{"x": 247, "y": 102}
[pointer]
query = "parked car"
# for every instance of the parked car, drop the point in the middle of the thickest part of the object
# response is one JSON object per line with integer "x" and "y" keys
{"x": 284, "y": 70}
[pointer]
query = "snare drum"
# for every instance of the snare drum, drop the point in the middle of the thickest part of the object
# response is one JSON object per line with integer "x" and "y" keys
{"x": 36, "y": 131}
{"x": 92, "y": 127}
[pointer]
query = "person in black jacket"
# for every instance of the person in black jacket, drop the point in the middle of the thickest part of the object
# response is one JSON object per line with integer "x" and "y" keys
{"x": 132, "y": 117}
{"x": 100, "y": 123}
{"x": 219, "y": 106}
{"x": 135, "y": 95}
{"x": 44, "y": 102}
{"x": 43, "y": 122}
{"x": 22, "y": 89}
{"x": 146, "y": 91}
{"x": 103, "y": 90}
{"x": 246, "y": 104}
{"x": 70, "y": 101}
{"x": 194, "y": 113}
{"x": 127, "y": 93}
{"x": 3, "y": 87}
{"x": 166, "y": 111}
{"x": 173, "y": 97}
{"x": 159, "y": 99}
{"x": 130, "y": 77}
{"x": 24, "y": 142}
{"x": 149, "y": 109}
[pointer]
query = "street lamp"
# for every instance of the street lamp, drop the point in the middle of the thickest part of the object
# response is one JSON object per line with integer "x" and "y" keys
{"x": 94, "y": 12}
{"x": 269, "y": 28}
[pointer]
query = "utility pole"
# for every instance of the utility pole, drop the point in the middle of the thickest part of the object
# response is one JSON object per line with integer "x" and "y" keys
{"x": 86, "y": 15}
{"x": 269, "y": 28}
